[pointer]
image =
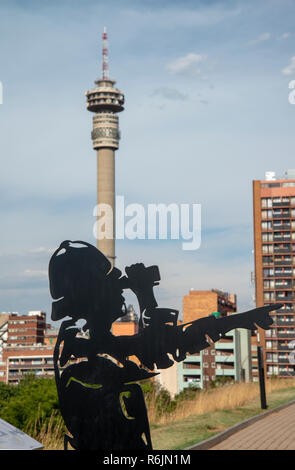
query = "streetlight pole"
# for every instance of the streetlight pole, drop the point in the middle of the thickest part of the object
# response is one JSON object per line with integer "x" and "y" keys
{"x": 261, "y": 378}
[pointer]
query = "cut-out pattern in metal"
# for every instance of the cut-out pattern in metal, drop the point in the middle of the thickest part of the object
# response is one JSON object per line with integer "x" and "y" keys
{"x": 100, "y": 400}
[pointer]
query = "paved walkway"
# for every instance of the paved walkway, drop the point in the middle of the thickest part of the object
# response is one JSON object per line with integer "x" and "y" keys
{"x": 274, "y": 432}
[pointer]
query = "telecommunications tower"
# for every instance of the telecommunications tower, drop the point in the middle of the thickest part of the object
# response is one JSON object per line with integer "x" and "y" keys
{"x": 105, "y": 101}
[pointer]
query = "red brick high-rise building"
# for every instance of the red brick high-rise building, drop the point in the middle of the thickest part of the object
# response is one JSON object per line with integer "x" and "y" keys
{"x": 27, "y": 349}
{"x": 274, "y": 248}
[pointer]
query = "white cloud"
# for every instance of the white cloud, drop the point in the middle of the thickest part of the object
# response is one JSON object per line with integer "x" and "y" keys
{"x": 35, "y": 272}
{"x": 41, "y": 249}
{"x": 188, "y": 65}
{"x": 170, "y": 94}
{"x": 290, "y": 69}
{"x": 263, "y": 37}
{"x": 284, "y": 36}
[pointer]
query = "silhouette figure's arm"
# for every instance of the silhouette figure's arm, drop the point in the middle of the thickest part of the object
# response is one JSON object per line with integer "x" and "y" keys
{"x": 196, "y": 333}
{"x": 153, "y": 344}
{"x": 156, "y": 344}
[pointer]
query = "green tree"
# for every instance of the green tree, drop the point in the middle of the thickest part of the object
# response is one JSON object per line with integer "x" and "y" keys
{"x": 31, "y": 403}
{"x": 6, "y": 392}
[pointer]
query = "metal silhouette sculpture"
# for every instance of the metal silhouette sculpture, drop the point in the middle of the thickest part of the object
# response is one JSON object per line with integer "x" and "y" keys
{"x": 100, "y": 400}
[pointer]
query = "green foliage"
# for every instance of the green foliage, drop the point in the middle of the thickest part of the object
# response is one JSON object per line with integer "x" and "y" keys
{"x": 220, "y": 381}
{"x": 32, "y": 402}
{"x": 164, "y": 402}
{"x": 159, "y": 396}
{"x": 189, "y": 393}
{"x": 6, "y": 392}
{"x": 148, "y": 387}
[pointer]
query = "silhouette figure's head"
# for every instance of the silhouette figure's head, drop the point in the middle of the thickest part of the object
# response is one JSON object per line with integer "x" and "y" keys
{"x": 84, "y": 285}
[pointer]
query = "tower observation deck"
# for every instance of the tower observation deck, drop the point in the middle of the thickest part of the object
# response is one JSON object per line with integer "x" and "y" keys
{"x": 105, "y": 101}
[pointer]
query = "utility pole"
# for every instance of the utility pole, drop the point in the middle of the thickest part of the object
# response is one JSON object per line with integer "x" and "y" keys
{"x": 261, "y": 378}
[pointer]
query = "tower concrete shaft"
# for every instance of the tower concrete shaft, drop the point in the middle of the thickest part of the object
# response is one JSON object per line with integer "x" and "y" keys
{"x": 106, "y": 101}
{"x": 106, "y": 195}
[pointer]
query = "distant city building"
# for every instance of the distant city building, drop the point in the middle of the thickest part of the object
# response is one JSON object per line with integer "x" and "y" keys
{"x": 168, "y": 379}
{"x": 27, "y": 329}
{"x": 130, "y": 316}
{"x": 50, "y": 335}
{"x": 229, "y": 358}
{"x": 274, "y": 253}
{"x": 29, "y": 347}
{"x": 126, "y": 326}
{"x": 3, "y": 331}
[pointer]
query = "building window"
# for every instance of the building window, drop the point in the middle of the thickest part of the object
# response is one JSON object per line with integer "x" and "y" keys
{"x": 266, "y": 225}
{"x": 266, "y": 202}
{"x": 271, "y": 185}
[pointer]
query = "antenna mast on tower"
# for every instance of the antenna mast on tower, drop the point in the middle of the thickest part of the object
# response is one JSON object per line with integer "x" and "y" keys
{"x": 105, "y": 55}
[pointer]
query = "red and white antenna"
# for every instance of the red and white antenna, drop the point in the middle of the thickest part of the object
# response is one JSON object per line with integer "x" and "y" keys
{"x": 105, "y": 55}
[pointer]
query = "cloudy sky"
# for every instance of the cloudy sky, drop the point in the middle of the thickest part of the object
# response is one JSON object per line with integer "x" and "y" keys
{"x": 207, "y": 111}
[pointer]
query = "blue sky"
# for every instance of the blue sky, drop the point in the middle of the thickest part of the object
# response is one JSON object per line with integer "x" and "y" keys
{"x": 207, "y": 111}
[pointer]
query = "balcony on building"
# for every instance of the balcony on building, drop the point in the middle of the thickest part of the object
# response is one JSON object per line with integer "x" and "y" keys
{"x": 282, "y": 249}
{"x": 285, "y": 203}
{"x": 286, "y": 373}
{"x": 281, "y": 215}
{"x": 284, "y": 297}
{"x": 283, "y": 346}
{"x": 192, "y": 381}
{"x": 195, "y": 367}
{"x": 283, "y": 321}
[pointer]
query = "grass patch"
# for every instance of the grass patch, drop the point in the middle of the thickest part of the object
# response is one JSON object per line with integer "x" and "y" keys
{"x": 196, "y": 428}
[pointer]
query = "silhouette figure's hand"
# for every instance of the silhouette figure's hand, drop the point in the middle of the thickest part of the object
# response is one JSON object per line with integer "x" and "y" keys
{"x": 136, "y": 276}
{"x": 141, "y": 277}
{"x": 141, "y": 280}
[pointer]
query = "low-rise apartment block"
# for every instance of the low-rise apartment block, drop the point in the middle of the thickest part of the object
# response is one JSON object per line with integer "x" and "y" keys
{"x": 227, "y": 359}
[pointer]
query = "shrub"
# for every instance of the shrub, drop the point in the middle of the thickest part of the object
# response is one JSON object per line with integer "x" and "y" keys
{"x": 220, "y": 381}
{"x": 6, "y": 392}
{"x": 189, "y": 393}
{"x": 30, "y": 398}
